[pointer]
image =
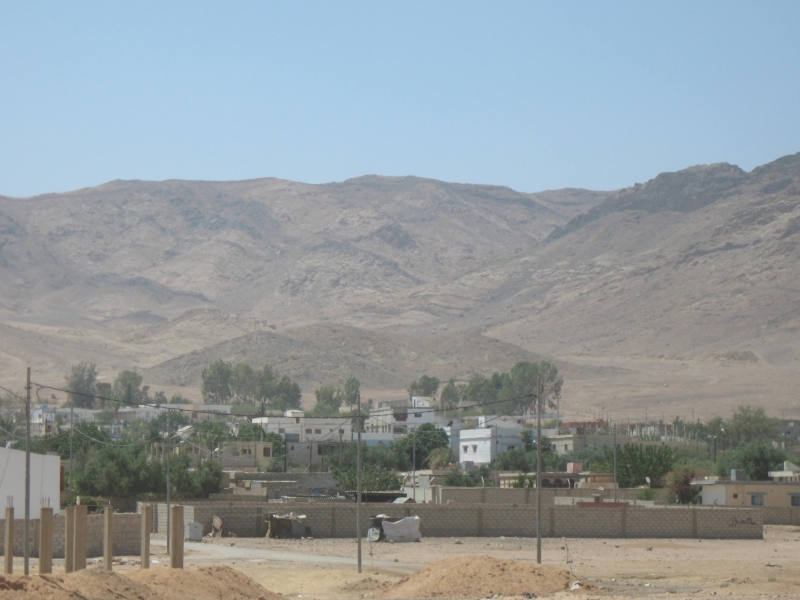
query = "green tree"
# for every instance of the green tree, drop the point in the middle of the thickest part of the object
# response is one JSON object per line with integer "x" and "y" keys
{"x": 330, "y": 396}
{"x": 420, "y": 444}
{"x": 453, "y": 395}
{"x": 216, "y": 386}
{"x": 81, "y": 381}
{"x": 636, "y": 462}
{"x": 211, "y": 434}
{"x": 680, "y": 483}
{"x": 373, "y": 478}
{"x": 119, "y": 389}
{"x": 750, "y": 424}
{"x": 176, "y": 420}
{"x": 249, "y": 432}
{"x": 352, "y": 388}
{"x": 425, "y": 386}
{"x": 757, "y": 458}
{"x": 243, "y": 383}
{"x": 287, "y": 394}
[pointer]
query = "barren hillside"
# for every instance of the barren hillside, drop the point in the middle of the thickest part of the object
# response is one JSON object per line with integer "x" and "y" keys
{"x": 677, "y": 294}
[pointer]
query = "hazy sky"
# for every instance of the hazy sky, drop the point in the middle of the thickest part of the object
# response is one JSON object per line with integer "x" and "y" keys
{"x": 533, "y": 95}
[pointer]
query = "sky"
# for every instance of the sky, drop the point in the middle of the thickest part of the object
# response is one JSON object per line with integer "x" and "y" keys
{"x": 532, "y": 95}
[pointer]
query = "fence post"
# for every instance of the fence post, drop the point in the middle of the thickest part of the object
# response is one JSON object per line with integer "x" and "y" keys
{"x": 80, "y": 538}
{"x": 147, "y": 519}
{"x": 176, "y": 546}
{"x": 108, "y": 538}
{"x": 69, "y": 540}
{"x": 9, "y": 557}
{"x": 45, "y": 540}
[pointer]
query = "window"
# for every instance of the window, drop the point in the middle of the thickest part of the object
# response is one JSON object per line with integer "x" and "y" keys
{"x": 510, "y": 448}
{"x": 795, "y": 500}
{"x": 466, "y": 450}
{"x": 736, "y": 495}
{"x": 297, "y": 419}
{"x": 281, "y": 430}
{"x": 474, "y": 447}
{"x": 341, "y": 431}
{"x": 267, "y": 452}
{"x": 566, "y": 447}
{"x": 308, "y": 431}
{"x": 757, "y": 500}
{"x": 317, "y": 431}
{"x": 418, "y": 415}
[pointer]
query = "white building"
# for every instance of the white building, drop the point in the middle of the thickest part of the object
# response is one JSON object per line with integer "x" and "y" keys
{"x": 482, "y": 445}
{"x": 294, "y": 426}
{"x": 401, "y": 421}
{"x": 45, "y": 481}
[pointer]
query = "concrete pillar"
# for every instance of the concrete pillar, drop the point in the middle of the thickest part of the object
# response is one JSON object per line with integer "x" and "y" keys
{"x": 147, "y": 523}
{"x": 108, "y": 538}
{"x": 69, "y": 540}
{"x": 9, "y": 557}
{"x": 45, "y": 540}
{"x": 176, "y": 545}
{"x": 80, "y": 538}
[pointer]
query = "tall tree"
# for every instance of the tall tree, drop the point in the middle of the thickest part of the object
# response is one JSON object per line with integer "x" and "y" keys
{"x": 750, "y": 424}
{"x": 452, "y": 395}
{"x": 352, "y": 387}
{"x": 424, "y": 386}
{"x": 216, "y": 386}
{"x": 119, "y": 389}
{"x": 636, "y": 462}
{"x": 243, "y": 383}
{"x": 330, "y": 396}
{"x": 81, "y": 381}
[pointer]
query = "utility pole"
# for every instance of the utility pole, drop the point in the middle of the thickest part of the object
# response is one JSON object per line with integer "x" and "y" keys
{"x": 414, "y": 463}
{"x": 27, "y": 474}
{"x": 358, "y": 483}
{"x": 169, "y": 440}
{"x": 539, "y": 394}
{"x": 615, "y": 462}
{"x": 71, "y": 428}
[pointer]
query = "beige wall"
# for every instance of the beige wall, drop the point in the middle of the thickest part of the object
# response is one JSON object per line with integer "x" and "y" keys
{"x": 338, "y": 520}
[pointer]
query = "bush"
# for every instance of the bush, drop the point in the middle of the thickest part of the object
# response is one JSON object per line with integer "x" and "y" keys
{"x": 646, "y": 494}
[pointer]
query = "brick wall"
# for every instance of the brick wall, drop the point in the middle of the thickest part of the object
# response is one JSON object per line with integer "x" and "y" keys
{"x": 460, "y": 495}
{"x": 781, "y": 515}
{"x": 127, "y": 535}
{"x": 329, "y": 520}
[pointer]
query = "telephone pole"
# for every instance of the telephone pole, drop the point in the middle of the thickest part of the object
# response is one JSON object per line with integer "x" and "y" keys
{"x": 27, "y": 474}
{"x": 539, "y": 394}
{"x": 358, "y": 483}
{"x": 167, "y": 449}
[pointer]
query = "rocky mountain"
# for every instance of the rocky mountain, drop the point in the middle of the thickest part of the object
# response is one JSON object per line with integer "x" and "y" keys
{"x": 676, "y": 294}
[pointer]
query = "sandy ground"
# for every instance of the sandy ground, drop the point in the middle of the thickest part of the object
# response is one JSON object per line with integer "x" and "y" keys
{"x": 768, "y": 568}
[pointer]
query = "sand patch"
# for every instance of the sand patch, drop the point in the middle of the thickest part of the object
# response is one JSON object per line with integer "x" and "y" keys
{"x": 209, "y": 583}
{"x": 480, "y": 576}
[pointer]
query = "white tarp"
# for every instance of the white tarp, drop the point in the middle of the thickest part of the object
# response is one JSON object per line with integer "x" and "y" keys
{"x": 404, "y": 530}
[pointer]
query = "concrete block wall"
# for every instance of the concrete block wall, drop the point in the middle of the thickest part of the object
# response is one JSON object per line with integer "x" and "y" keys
{"x": 477, "y": 520}
{"x": 781, "y": 515}
{"x": 459, "y": 495}
{"x": 127, "y": 538}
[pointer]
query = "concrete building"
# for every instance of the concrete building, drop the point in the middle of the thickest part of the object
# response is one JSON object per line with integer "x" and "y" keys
{"x": 481, "y": 446}
{"x": 294, "y": 426}
{"x": 749, "y": 493}
{"x": 399, "y": 420}
{"x": 790, "y": 472}
{"x": 46, "y": 480}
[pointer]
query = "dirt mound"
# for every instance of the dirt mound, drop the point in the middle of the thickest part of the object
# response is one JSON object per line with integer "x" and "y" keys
{"x": 91, "y": 584}
{"x": 207, "y": 583}
{"x": 211, "y": 583}
{"x": 480, "y": 576}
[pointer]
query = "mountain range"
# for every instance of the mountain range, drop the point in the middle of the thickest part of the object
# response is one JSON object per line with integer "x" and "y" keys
{"x": 676, "y": 295}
